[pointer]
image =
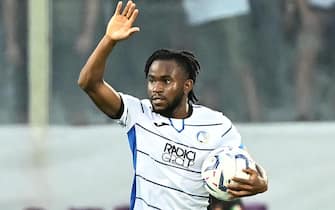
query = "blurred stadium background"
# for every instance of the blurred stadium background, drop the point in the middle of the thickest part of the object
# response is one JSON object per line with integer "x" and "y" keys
{"x": 268, "y": 65}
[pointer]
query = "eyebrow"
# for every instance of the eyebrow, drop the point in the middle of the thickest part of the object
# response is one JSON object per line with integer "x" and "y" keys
{"x": 161, "y": 77}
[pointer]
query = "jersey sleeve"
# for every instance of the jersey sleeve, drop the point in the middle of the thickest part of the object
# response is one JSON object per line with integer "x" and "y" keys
{"x": 132, "y": 108}
{"x": 231, "y": 136}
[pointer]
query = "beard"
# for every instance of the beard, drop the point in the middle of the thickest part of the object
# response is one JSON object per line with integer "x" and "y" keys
{"x": 171, "y": 106}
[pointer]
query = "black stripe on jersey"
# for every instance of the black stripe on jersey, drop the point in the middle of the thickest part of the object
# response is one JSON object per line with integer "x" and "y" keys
{"x": 142, "y": 107}
{"x": 171, "y": 188}
{"x": 231, "y": 126}
{"x": 126, "y": 116}
{"x": 214, "y": 124}
{"x": 146, "y": 203}
{"x": 172, "y": 140}
{"x": 185, "y": 169}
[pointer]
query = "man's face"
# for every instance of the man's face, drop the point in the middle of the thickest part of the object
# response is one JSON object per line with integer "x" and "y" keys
{"x": 166, "y": 87}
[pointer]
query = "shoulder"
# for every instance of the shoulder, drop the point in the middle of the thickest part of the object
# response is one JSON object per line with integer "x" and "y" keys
{"x": 215, "y": 123}
{"x": 207, "y": 115}
{"x": 131, "y": 102}
{"x": 129, "y": 99}
{"x": 134, "y": 110}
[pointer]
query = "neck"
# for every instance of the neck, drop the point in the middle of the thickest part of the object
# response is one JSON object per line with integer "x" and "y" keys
{"x": 182, "y": 112}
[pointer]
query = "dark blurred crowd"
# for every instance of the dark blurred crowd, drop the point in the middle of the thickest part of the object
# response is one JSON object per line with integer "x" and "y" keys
{"x": 261, "y": 60}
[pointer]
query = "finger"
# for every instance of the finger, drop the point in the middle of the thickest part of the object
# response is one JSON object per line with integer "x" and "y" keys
{"x": 238, "y": 194}
{"x": 131, "y": 10}
{"x": 253, "y": 174}
{"x": 134, "y": 16}
{"x": 118, "y": 8}
{"x": 250, "y": 171}
{"x": 239, "y": 187}
{"x": 241, "y": 180}
{"x": 125, "y": 10}
{"x": 133, "y": 30}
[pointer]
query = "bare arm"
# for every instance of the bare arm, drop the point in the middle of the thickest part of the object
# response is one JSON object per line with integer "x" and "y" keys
{"x": 91, "y": 80}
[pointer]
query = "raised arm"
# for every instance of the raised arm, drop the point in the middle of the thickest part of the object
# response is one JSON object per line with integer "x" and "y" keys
{"x": 119, "y": 27}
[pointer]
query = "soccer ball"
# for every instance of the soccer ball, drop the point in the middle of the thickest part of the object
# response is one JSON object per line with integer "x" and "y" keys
{"x": 221, "y": 166}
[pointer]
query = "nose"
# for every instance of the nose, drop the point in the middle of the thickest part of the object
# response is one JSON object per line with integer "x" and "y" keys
{"x": 157, "y": 87}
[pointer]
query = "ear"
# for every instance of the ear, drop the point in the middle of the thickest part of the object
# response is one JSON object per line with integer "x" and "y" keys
{"x": 188, "y": 86}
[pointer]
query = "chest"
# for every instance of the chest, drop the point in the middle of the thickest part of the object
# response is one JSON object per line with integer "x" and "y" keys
{"x": 176, "y": 142}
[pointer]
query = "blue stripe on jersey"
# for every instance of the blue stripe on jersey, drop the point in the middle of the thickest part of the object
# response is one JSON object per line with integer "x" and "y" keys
{"x": 182, "y": 128}
{"x": 242, "y": 146}
{"x": 132, "y": 143}
{"x": 133, "y": 194}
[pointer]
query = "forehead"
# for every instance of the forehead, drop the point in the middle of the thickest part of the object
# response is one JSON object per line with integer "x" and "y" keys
{"x": 165, "y": 68}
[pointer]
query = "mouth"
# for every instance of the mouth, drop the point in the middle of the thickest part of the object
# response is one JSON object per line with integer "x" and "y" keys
{"x": 157, "y": 99}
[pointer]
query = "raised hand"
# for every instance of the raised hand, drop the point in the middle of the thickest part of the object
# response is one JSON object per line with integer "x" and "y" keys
{"x": 120, "y": 26}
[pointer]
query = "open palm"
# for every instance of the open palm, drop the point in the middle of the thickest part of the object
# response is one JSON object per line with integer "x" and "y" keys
{"x": 120, "y": 26}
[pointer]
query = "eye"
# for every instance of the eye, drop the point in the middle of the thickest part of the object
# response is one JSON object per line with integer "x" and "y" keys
{"x": 150, "y": 80}
{"x": 167, "y": 81}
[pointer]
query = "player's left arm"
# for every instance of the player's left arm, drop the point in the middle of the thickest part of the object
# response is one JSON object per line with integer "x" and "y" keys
{"x": 257, "y": 183}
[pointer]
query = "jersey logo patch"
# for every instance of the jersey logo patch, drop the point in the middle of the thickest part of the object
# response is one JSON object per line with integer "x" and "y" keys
{"x": 177, "y": 155}
{"x": 202, "y": 136}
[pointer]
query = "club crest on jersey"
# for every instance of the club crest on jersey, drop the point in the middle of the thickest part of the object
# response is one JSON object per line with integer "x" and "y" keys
{"x": 177, "y": 155}
{"x": 202, "y": 137}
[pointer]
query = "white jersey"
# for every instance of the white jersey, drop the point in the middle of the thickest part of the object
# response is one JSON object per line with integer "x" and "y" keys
{"x": 168, "y": 154}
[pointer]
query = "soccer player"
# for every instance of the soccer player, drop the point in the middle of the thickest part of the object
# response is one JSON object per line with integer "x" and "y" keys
{"x": 168, "y": 134}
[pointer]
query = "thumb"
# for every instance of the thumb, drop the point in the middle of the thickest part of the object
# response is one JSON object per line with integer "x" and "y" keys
{"x": 134, "y": 30}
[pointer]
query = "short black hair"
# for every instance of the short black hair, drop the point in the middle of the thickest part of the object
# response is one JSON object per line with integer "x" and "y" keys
{"x": 185, "y": 59}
